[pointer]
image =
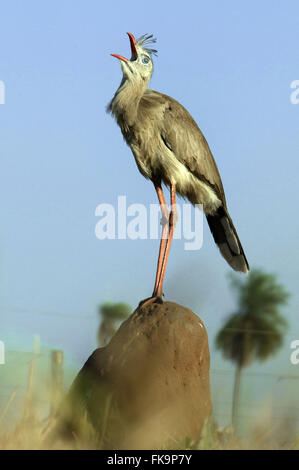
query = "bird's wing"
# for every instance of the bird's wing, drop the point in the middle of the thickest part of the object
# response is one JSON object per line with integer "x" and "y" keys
{"x": 182, "y": 136}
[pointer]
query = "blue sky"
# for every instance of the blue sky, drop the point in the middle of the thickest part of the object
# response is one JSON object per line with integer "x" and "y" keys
{"x": 231, "y": 65}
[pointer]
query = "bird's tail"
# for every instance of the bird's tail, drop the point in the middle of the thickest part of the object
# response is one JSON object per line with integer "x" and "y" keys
{"x": 227, "y": 240}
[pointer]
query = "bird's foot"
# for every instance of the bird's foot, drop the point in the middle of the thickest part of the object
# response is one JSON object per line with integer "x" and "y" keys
{"x": 155, "y": 299}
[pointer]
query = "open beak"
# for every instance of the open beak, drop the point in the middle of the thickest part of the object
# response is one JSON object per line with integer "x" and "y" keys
{"x": 133, "y": 50}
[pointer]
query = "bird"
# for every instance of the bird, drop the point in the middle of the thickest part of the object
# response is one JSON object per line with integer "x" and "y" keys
{"x": 170, "y": 149}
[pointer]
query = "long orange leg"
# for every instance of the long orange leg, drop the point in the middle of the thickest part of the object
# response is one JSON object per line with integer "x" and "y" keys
{"x": 172, "y": 221}
{"x": 164, "y": 223}
{"x": 163, "y": 242}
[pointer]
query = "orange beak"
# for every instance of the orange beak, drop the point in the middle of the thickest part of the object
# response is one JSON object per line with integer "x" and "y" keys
{"x": 133, "y": 50}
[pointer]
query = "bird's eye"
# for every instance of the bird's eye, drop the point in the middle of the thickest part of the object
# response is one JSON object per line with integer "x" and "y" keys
{"x": 145, "y": 60}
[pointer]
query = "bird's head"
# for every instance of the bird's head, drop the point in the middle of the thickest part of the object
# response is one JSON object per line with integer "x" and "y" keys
{"x": 140, "y": 66}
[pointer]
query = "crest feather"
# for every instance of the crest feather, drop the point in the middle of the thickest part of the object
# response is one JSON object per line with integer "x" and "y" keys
{"x": 143, "y": 42}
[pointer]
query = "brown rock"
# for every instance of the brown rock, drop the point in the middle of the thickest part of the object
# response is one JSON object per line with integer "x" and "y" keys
{"x": 149, "y": 387}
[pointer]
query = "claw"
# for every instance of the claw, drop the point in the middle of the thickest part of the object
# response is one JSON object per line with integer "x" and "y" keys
{"x": 156, "y": 299}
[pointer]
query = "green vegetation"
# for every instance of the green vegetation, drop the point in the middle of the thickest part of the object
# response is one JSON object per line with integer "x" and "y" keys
{"x": 112, "y": 314}
{"x": 256, "y": 329}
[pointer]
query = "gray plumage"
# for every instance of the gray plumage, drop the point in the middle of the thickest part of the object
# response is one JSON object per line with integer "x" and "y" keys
{"x": 169, "y": 147}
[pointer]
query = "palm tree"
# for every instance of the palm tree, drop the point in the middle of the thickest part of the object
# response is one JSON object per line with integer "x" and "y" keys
{"x": 112, "y": 314}
{"x": 256, "y": 329}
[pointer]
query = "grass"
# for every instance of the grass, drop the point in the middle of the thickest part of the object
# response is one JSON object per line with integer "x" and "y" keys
{"x": 33, "y": 433}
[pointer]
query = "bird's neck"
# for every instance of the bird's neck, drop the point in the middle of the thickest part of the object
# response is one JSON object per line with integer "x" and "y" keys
{"x": 124, "y": 105}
